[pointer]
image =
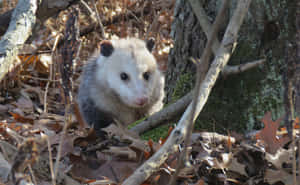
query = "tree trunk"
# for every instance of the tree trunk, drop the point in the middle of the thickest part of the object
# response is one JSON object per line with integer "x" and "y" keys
{"x": 238, "y": 101}
{"x": 291, "y": 76}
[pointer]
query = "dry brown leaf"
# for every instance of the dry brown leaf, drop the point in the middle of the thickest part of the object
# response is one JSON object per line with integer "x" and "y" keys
{"x": 3, "y": 108}
{"x": 28, "y": 60}
{"x": 85, "y": 138}
{"x": 22, "y": 119}
{"x": 56, "y": 127}
{"x": 281, "y": 156}
{"x": 200, "y": 182}
{"x": 237, "y": 167}
{"x": 126, "y": 135}
{"x": 273, "y": 176}
{"x": 25, "y": 105}
{"x": 67, "y": 144}
{"x": 268, "y": 135}
{"x": 112, "y": 169}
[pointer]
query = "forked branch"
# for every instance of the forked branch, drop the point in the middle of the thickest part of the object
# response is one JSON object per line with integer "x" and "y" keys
{"x": 177, "y": 135}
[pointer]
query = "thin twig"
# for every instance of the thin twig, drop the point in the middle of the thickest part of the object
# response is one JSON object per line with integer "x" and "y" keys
{"x": 206, "y": 27}
{"x": 99, "y": 20}
{"x": 32, "y": 174}
{"x": 229, "y": 70}
{"x": 67, "y": 121}
{"x": 50, "y": 71}
{"x": 89, "y": 9}
{"x": 204, "y": 59}
{"x": 50, "y": 159}
{"x": 177, "y": 135}
{"x": 165, "y": 115}
{"x": 37, "y": 78}
{"x": 294, "y": 165}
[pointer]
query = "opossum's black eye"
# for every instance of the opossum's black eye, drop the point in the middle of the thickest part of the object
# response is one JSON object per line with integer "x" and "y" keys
{"x": 146, "y": 75}
{"x": 124, "y": 76}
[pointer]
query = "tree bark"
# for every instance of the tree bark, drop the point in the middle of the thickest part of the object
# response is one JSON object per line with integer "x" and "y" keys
{"x": 20, "y": 28}
{"x": 177, "y": 135}
{"x": 297, "y": 71}
{"x": 291, "y": 77}
{"x": 46, "y": 9}
{"x": 245, "y": 97}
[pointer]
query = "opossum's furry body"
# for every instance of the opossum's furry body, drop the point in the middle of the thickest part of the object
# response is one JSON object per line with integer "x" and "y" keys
{"x": 122, "y": 82}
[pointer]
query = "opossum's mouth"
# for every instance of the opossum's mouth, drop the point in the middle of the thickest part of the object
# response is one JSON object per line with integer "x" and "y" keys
{"x": 137, "y": 104}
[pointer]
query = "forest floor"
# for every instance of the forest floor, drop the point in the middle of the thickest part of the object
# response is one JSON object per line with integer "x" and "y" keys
{"x": 34, "y": 111}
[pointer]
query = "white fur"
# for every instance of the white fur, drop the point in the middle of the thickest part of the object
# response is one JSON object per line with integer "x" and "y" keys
{"x": 119, "y": 98}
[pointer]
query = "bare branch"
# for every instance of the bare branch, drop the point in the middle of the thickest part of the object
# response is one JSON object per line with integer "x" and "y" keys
{"x": 20, "y": 28}
{"x": 165, "y": 115}
{"x": 99, "y": 20}
{"x": 206, "y": 26}
{"x": 46, "y": 9}
{"x": 170, "y": 113}
{"x": 242, "y": 67}
{"x": 177, "y": 135}
{"x": 204, "y": 59}
{"x": 204, "y": 22}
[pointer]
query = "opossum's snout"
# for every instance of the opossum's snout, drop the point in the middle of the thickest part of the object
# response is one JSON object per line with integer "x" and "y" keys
{"x": 141, "y": 101}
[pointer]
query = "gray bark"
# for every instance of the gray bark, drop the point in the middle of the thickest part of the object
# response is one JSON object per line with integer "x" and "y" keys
{"x": 291, "y": 77}
{"x": 20, "y": 28}
{"x": 22, "y": 21}
{"x": 46, "y": 9}
{"x": 177, "y": 135}
{"x": 238, "y": 101}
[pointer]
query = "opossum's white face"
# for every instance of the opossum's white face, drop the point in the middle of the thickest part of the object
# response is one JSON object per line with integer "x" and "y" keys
{"x": 130, "y": 72}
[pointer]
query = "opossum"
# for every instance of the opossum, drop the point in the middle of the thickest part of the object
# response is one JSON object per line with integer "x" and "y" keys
{"x": 121, "y": 83}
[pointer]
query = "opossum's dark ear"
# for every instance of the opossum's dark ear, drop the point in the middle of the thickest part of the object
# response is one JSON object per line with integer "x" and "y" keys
{"x": 106, "y": 48}
{"x": 150, "y": 44}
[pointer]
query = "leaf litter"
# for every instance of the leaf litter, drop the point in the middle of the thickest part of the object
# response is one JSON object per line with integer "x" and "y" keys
{"x": 264, "y": 158}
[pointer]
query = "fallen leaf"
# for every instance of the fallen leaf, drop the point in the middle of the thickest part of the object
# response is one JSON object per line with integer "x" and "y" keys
{"x": 3, "y": 108}
{"x": 268, "y": 135}
{"x": 273, "y": 176}
{"x": 281, "y": 156}
{"x": 113, "y": 169}
{"x": 238, "y": 167}
{"x": 22, "y": 119}
{"x": 25, "y": 105}
{"x": 200, "y": 182}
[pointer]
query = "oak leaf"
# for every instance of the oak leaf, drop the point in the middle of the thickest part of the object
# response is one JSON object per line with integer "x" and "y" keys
{"x": 268, "y": 135}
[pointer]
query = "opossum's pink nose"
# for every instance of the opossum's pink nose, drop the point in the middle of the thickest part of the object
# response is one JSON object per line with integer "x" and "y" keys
{"x": 141, "y": 101}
